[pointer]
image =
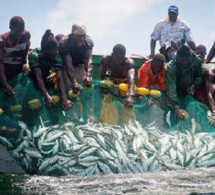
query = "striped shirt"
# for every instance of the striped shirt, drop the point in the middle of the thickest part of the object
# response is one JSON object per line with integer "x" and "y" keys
{"x": 14, "y": 54}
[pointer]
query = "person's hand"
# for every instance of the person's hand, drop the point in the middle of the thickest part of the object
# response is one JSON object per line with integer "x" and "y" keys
{"x": 130, "y": 101}
{"x": 105, "y": 91}
{"x": 76, "y": 87}
{"x": 178, "y": 113}
{"x": 9, "y": 90}
{"x": 191, "y": 90}
{"x": 49, "y": 101}
{"x": 88, "y": 80}
{"x": 26, "y": 69}
{"x": 212, "y": 120}
{"x": 151, "y": 56}
{"x": 66, "y": 104}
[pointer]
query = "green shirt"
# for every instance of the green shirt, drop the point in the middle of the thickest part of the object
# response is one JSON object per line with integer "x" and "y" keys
{"x": 36, "y": 60}
{"x": 178, "y": 80}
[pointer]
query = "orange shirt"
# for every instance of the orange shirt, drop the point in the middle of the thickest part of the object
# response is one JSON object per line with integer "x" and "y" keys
{"x": 146, "y": 78}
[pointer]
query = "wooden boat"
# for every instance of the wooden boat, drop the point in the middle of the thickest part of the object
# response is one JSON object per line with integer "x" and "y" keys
{"x": 7, "y": 164}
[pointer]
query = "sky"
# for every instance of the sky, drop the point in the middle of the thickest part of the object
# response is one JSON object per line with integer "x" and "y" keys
{"x": 109, "y": 22}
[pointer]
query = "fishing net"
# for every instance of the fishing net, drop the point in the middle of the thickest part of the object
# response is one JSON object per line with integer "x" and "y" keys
{"x": 99, "y": 135}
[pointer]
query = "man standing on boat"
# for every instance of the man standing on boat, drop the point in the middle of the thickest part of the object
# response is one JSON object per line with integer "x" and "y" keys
{"x": 76, "y": 51}
{"x": 14, "y": 46}
{"x": 120, "y": 70}
{"x": 171, "y": 29}
{"x": 183, "y": 75}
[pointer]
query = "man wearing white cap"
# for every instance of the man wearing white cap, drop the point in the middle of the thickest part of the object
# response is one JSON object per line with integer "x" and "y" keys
{"x": 76, "y": 51}
{"x": 171, "y": 29}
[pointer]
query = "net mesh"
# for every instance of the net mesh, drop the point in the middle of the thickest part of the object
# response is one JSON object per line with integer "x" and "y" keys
{"x": 27, "y": 105}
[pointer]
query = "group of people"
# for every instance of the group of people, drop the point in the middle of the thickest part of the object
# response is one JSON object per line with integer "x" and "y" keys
{"x": 67, "y": 58}
{"x": 179, "y": 69}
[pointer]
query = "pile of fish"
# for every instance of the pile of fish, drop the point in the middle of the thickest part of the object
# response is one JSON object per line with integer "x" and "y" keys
{"x": 99, "y": 148}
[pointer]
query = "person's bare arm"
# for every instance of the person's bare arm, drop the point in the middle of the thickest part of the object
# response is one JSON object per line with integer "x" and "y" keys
{"x": 211, "y": 54}
{"x": 152, "y": 46}
{"x": 131, "y": 83}
{"x": 70, "y": 70}
{"x": 38, "y": 73}
{"x": 26, "y": 67}
{"x": 103, "y": 69}
{"x": 211, "y": 103}
{"x": 66, "y": 104}
{"x": 192, "y": 45}
{"x": 8, "y": 89}
{"x": 88, "y": 66}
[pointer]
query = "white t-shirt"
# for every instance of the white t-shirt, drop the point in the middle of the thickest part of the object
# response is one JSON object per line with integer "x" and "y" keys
{"x": 168, "y": 31}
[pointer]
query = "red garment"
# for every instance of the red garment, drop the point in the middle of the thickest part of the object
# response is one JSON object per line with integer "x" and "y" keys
{"x": 201, "y": 94}
{"x": 146, "y": 78}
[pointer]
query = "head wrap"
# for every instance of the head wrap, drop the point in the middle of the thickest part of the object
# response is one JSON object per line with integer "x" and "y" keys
{"x": 78, "y": 29}
{"x": 48, "y": 41}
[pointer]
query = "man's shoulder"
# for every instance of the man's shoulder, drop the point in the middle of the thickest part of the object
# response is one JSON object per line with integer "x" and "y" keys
{"x": 161, "y": 22}
{"x": 106, "y": 58}
{"x": 28, "y": 34}
{"x": 146, "y": 65}
{"x": 182, "y": 22}
{"x": 129, "y": 61}
{"x": 64, "y": 40}
{"x": 89, "y": 41}
{"x": 171, "y": 66}
{"x": 34, "y": 55}
{"x": 196, "y": 59}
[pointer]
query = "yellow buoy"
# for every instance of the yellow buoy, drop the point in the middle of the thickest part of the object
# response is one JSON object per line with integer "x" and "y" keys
{"x": 143, "y": 91}
{"x": 106, "y": 83}
{"x": 34, "y": 104}
{"x": 186, "y": 115}
{"x": 56, "y": 98}
{"x": 1, "y": 111}
{"x": 16, "y": 108}
{"x": 155, "y": 93}
{"x": 73, "y": 95}
{"x": 123, "y": 87}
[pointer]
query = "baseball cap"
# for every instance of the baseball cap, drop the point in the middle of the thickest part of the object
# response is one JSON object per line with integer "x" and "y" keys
{"x": 173, "y": 8}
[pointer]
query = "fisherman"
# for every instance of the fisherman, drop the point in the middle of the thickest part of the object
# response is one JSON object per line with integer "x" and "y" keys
{"x": 211, "y": 54}
{"x": 76, "y": 51}
{"x": 171, "y": 29}
{"x": 120, "y": 70}
{"x": 152, "y": 73}
{"x": 205, "y": 93}
{"x": 183, "y": 75}
{"x": 201, "y": 51}
{"x": 14, "y": 47}
{"x": 44, "y": 61}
